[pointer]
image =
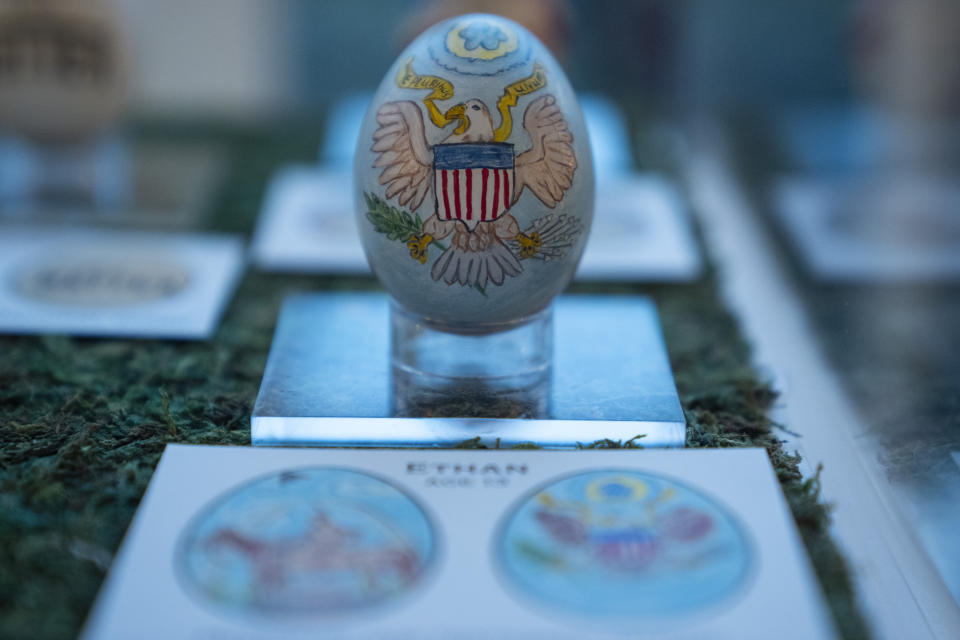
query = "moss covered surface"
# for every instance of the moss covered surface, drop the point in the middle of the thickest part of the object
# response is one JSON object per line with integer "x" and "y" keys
{"x": 83, "y": 421}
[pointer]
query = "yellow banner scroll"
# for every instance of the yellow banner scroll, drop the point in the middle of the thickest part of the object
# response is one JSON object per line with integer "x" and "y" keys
{"x": 534, "y": 82}
{"x": 440, "y": 89}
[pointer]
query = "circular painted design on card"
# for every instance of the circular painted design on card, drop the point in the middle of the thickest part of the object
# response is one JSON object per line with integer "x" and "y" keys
{"x": 622, "y": 547}
{"x": 316, "y": 541}
{"x": 94, "y": 278}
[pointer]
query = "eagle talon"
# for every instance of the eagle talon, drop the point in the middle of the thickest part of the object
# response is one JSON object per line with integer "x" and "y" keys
{"x": 418, "y": 246}
{"x": 529, "y": 244}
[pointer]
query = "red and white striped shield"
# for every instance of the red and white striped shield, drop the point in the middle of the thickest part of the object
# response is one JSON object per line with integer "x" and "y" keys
{"x": 473, "y": 182}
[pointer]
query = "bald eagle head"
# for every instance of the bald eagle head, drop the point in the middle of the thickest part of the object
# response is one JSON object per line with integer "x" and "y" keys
{"x": 474, "y": 122}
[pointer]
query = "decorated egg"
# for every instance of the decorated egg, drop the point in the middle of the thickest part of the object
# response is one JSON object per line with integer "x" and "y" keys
{"x": 473, "y": 177}
{"x": 63, "y": 68}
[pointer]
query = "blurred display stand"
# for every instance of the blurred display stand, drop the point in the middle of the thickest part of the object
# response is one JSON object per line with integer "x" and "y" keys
{"x": 876, "y": 197}
{"x": 112, "y": 181}
{"x": 831, "y": 139}
{"x": 94, "y": 175}
{"x": 873, "y": 199}
{"x": 641, "y": 230}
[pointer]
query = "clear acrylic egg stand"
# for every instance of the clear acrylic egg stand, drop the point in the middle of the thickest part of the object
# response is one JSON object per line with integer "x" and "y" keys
{"x": 353, "y": 370}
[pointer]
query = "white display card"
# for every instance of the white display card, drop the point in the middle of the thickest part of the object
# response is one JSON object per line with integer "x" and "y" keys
{"x": 246, "y": 543}
{"x": 880, "y": 230}
{"x": 115, "y": 283}
{"x": 641, "y": 232}
{"x": 307, "y": 223}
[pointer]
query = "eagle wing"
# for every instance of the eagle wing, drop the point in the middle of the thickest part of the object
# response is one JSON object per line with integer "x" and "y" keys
{"x": 547, "y": 167}
{"x": 402, "y": 150}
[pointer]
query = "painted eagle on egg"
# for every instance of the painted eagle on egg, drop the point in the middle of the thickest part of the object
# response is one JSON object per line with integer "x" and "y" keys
{"x": 473, "y": 176}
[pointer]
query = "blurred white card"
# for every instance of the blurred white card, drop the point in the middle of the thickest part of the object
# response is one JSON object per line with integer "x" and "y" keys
{"x": 307, "y": 224}
{"x": 115, "y": 283}
{"x": 250, "y": 543}
{"x": 888, "y": 229}
{"x": 640, "y": 231}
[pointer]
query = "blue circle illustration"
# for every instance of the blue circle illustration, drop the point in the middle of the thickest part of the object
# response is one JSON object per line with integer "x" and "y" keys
{"x": 622, "y": 546}
{"x": 312, "y": 541}
{"x": 479, "y": 45}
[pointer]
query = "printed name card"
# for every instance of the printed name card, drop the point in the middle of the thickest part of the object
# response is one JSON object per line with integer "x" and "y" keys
{"x": 296, "y": 543}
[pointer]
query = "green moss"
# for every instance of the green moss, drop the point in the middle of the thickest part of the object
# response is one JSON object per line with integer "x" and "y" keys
{"x": 83, "y": 422}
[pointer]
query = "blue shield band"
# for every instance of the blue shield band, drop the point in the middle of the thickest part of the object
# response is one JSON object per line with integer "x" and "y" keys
{"x": 469, "y": 155}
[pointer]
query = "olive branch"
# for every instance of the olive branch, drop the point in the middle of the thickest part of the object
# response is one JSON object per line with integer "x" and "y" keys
{"x": 397, "y": 224}
{"x": 392, "y": 222}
